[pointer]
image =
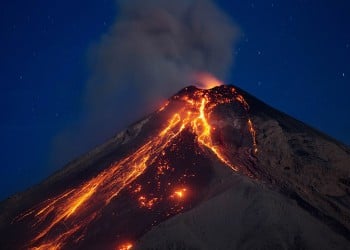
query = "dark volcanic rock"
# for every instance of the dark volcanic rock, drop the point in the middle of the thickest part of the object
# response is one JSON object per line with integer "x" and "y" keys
{"x": 303, "y": 203}
{"x": 246, "y": 215}
{"x": 294, "y": 193}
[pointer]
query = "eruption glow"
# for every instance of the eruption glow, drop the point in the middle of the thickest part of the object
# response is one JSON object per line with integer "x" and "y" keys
{"x": 73, "y": 210}
{"x": 206, "y": 80}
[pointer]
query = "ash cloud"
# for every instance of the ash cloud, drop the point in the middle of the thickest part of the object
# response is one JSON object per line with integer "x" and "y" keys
{"x": 152, "y": 50}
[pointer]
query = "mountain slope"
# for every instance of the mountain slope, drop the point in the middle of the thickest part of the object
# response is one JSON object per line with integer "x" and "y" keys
{"x": 247, "y": 215}
{"x": 248, "y": 175}
{"x": 300, "y": 201}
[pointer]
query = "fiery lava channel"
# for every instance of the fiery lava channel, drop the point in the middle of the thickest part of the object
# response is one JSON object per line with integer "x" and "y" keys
{"x": 72, "y": 211}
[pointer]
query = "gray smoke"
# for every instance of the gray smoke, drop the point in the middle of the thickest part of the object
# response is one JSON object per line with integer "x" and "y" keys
{"x": 150, "y": 52}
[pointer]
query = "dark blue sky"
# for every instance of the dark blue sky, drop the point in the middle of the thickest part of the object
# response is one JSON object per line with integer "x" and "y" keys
{"x": 294, "y": 55}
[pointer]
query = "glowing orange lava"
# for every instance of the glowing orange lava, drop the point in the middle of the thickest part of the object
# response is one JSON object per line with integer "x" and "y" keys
{"x": 125, "y": 246}
{"x": 179, "y": 193}
{"x": 73, "y": 210}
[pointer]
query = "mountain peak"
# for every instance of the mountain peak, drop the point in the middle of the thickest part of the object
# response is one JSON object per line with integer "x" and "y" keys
{"x": 199, "y": 145}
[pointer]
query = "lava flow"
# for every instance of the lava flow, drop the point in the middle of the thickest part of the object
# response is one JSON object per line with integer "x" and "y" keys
{"x": 151, "y": 178}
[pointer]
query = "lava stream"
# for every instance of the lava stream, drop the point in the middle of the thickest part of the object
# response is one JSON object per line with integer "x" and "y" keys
{"x": 73, "y": 210}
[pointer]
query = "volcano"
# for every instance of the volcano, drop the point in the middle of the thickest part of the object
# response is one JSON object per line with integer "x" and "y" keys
{"x": 211, "y": 169}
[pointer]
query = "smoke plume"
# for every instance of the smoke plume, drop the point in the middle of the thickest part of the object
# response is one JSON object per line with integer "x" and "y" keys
{"x": 152, "y": 50}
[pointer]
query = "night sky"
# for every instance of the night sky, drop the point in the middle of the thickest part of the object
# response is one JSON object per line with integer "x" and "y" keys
{"x": 293, "y": 55}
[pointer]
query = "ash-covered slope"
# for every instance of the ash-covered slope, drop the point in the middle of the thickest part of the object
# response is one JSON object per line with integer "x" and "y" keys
{"x": 212, "y": 169}
{"x": 300, "y": 198}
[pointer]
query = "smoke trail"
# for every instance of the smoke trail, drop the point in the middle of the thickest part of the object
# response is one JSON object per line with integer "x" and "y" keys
{"x": 149, "y": 53}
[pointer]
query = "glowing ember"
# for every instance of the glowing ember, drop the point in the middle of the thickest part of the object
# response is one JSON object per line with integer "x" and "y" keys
{"x": 180, "y": 193}
{"x": 147, "y": 203}
{"x": 126, "y": 246}
{"x": 71, "y": 212}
